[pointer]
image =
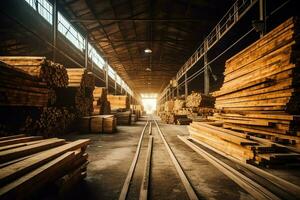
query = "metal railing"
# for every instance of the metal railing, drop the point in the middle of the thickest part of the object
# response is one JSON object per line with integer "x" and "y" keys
{"x": 233, "y": 15}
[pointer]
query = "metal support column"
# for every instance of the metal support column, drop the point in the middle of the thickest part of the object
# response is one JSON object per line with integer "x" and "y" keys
{"x": 206, "y": 68}
{"x": 121, "y": 87}
{"x": 263, "y": 16}
{"x": 115, "y": 84}
{"x": 54, "y": 29}
{"x": 206, "y": 75}
{"x": 86, "y": 53}
{"x": 177, "y": 91}
{"x": 106, "y": 76}
{"x": 185, "y": 86}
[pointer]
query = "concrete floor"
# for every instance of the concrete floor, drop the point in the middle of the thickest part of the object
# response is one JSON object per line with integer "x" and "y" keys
{"x": 110, "y": 157}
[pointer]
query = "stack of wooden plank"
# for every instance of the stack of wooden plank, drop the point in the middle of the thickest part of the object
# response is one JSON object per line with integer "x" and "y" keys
{"x": 100, "y": 104}
{"x": 80, "y": 91}
{"x": 54, "y": 74}
{"x": 178, "y": 105}
{"x": 241, "y": 146}
{"x": 123, "y": 118}
{"x": 97, "y": 124}
{"x": 20, "y": 89}
{"x": 136, "y": 110}
{"x": 168, "y": 106}
{"x": 118, "y": 102}
{"x": 31, "y": 164}
{"x": 260, "y": 93}
{"x": 180, "y": 119}
{"x": 196, "y": 99}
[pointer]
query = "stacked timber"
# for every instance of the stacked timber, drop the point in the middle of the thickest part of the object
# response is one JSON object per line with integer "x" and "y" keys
{"x": 136, "y": 110}
{"x": 259, "y": 99}
{"x": 97, "y": 124}
{"x": 178, "y": 105}
{"x": 118, "y": 102}
{"x": 20, "y": 89}
{"x": 196, "y": 99}
{"x": 30, "y": 165}
{"x": 80, "y": 91}
{"x": 241, "y": 146}
{"x": 260, "y": 93}
{"x": 100, "y": 104}
{"x": 54, "y": 74}
{"x": 123, "y": 118}
{"x": 109, "y": 124}
{"x": 169, "y": 105}
{"x": 49, "y": 121}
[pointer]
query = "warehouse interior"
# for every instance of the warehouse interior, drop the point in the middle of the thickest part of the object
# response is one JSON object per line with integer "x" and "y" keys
{"x": 148, "y": 99}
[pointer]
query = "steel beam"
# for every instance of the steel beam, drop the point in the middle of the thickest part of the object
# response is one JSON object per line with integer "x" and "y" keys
{"x": 54, "y": 29}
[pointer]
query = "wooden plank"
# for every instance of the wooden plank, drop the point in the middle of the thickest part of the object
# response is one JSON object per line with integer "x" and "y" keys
{"x": 19, "y": 140}
{"x": 16, "y": 170}
{"x": 12, "y": 146}
{"x": 253, "y": 130}
{"x": 12, "y": 137}
{"x": 283, "y": 184}
{"x": 223, "y": 134}
{"x": 11, "y": 154}
{"x": 36, "y": 179}
{"x": 254, "y": 189}
{"x": 247, "y": 122}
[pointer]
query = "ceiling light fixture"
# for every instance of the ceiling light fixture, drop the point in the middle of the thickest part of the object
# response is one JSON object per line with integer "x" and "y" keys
{"x": 148, "y": 69}
{"x": 148, "y": 51}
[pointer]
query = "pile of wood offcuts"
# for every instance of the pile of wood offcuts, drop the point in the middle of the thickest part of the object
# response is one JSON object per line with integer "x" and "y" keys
{"x": 32, "y": 166}
{"x": 259, "y": 101}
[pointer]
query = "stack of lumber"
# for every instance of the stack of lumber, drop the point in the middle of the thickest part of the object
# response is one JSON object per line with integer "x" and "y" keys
{"x": 123, "y": 118}
{"x": 97, "y": 124}
{"x": 109, "y": 124}
{"x": 178, "y": 105}
{"x": 54, "y": 74}
{"x": 180, "y": 119}
{"x": 100, "y": 104}
{"x": 169, "y": 105}
{"x": 30, "y": 165}
{"x": 137, "y": 110}
{"x": 49, "y": 121}
{"x": 260, "y": 93}
{"x": 165, "y": 117}
{"x": 20, "y": 89}
{"x": 80, "y": 91}
{"x": 196, "y": 99}
{"x": 118, "y": 102}
{"x": 241, "y": 146}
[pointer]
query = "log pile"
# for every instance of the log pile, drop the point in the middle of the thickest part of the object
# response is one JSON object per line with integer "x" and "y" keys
{"x": 49, "y": 121}
{"x": 260, "y": 93}
{"x": 169, "y": 105}
{"x": 259, "y": 100}
{"x": 100, "y": 104}
{"x": 20, "y": 89}
{"x": 33, "y": 164}
{"x": 178, "y": 105}
{"x": 195, "y": 100}
{"x": 54, "y": 74}
{"x": 241, "y": 146}
{"x": 97, "y": 124}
